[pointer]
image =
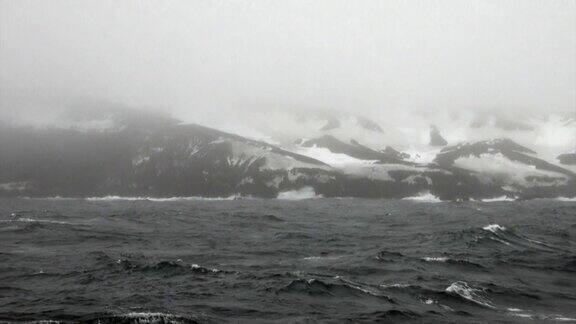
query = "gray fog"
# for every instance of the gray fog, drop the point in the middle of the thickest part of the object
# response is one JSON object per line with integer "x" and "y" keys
{"x": 218, "y": 61}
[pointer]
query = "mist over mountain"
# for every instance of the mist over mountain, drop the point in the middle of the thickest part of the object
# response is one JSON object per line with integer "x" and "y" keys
{"x": 361, "y": 89}
{"x": 101, "y": 149}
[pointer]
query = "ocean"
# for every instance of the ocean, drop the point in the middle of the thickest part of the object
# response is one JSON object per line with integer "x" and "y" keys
{"x": 197, "y": 260}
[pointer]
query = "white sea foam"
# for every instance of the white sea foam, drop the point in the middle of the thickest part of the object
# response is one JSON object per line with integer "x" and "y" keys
{"x": 501, "y": 241}
{"x": 196, "y": 266}
{"x": 302, "y": 193}
{"x": 395, "y": 285}
{"x": 31, "y": 220}
{"x": 435, "y": 259}
{"x": 152, "y": 317}
{"x": 49, "y": 198}
{"x": 494, "y": 228}
{"x": 566, "y": 199}
{"x": 564, "y": 319}
{"x": 129, "y": 198}
{"x": 321, "y": 258}
{"x": 192, "y": 198}
{"x": 462, "y": 289}
{"x": 424, "y": 197}
{"x": 501, "y": 198}
{"x": 519, "y": 313}
{"x": 366, "y": 290}
{"x": 526, "y": 314}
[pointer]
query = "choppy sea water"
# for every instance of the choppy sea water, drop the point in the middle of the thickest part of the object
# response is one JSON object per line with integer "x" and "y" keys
{"x": 307, "y": 261}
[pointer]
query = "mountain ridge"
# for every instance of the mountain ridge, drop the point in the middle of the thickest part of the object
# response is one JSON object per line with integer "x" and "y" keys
{"x": 175, "y": 159}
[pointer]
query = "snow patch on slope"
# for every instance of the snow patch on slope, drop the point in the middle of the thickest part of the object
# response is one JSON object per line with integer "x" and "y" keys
{"x": 334, "y": 159}
{"x": 497, "y": 165}
{"x": 422, "y": 156}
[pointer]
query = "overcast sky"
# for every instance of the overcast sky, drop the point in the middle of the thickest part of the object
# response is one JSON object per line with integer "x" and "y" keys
{"x": 212, "y": 58}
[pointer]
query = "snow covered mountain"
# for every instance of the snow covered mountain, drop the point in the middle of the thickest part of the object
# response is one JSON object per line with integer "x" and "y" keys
{"x": 509, "y": 167}
{"x": 479, "y": 170}
{"x": 148, "y": 155}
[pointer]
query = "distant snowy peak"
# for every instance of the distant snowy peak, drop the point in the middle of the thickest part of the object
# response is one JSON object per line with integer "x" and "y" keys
{"x": 504, "y": 163}
{"x": 330, "y": 123}
{"x": 436, "y": 138}
{"x": 501, "y": 147}
{"x": 488, "y": 146}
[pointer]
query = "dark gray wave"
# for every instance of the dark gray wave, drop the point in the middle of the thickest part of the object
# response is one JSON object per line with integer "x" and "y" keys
{"x": 258, "y": 260}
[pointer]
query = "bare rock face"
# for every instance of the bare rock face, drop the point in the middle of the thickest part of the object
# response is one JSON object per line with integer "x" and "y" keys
{"x": 390, "y": 151}
{"x": 436, "y": 138}
{"x": 567, "y": 158}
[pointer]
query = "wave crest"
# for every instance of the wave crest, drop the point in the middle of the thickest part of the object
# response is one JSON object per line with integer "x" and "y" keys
{"x": 462, "y": 289}
{"x": 299, "y": 194}
{"x": 494, "y": 228}
{"x": 424, "y": 197}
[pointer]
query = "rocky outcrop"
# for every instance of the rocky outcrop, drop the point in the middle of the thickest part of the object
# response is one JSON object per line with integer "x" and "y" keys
{"x": 390, "y": 151}
{"x": 567, "y": 158}
{"x": 436, "y": 138}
